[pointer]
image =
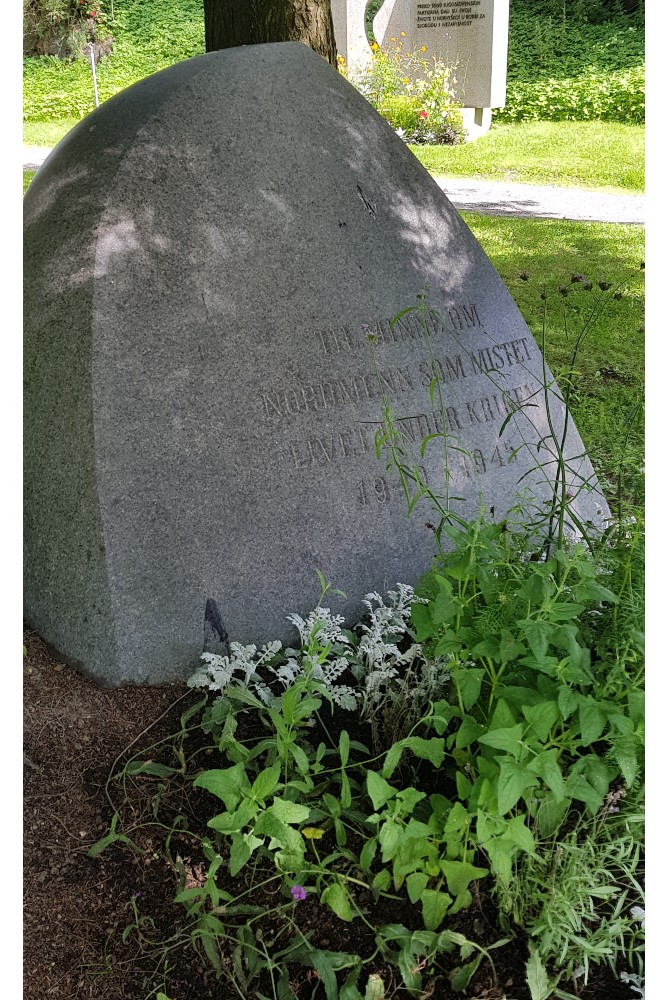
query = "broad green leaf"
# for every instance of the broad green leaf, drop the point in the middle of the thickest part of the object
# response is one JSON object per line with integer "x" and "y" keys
{"x": 409, "y": 797}
{"x": 382, "y": 880}
{"x": 463, "y": 786}
{"x": 460, "y": 874}
{"x": 450, "y": 642}
{"x": 336, "y": 898}
{"x": 415, "y": 884}
{"x": 233, "y": 822}
{"x": 462, "y": 974}
{"x": 441, "y": 716}
{"x": 422, "y": 621}
{"x": 514, "y": 780}
{"x": 505, "y": 739}
{"x": 636, "y": 706}
{"x": 289, "y": 812}
{"x": 409, "y": 968}
{"x": 503, "y": 717}
{"x": 462, "y": 902}
{"x": 243, "y": 846}
{"x": 542, "y": 717}
{"x": 568, "y": 701}
{"x": 500, "y": 853}
{"x": 269, "y": 825}
{"x": 458, "y": 819}
{"x": 266, "y": 782}
{"x": 389, "y": 837}
{"x": 592, "y": 720}
{"x": 591, "y": 590}
{"x": 510, "y": 647}
{"x": 597, "y": 773}
{"x": 537, "y": 979}
{"x": 432, "y": 749}
{"x": 534, "y": 589}
{"x": 345, "y": 791}
{"x": 300, "y": 758}
{"x": 379, "y": 790}
{"x": 344, "y": 747}
{"x": 519, "y": 833}
{"x": 547, "y": 767}
{"x": 538, "y": 634}
{"x": 469, "y": 683}
{"x": 445, "y": 607}
{"x": 550, "y": 814}
{"x": 392, "y": 760}
{"x": 487, "y": 647}
{"x": 290, "y": 862}
{"x": 368, "y": 852}
{"x": 434, "y": 908}
{"x": 320, "y": 962}
{"x": 468, "y": 732}
{"x": 227, "y": 784}
{"x": 564, "y": 611}
{"x": 577, "y": 787}
{"x": 626, "y": 758}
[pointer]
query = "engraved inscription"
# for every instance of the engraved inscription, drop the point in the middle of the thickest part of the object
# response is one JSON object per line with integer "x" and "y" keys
{"x": 324, "y": 449}
{"x": 505, "y": 355}
{"x": 476, "y": 463}
{"x": 334, "y": 393}
{"x": 449, "y": 14}
{"x": 410, "y": 326}
{"x": 379, "y": 490}
{"x": 487, "y": 408}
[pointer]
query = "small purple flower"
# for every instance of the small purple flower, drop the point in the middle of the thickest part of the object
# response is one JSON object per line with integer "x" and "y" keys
{"x": 298, "y": 892}
{"x": 136, "y": 895}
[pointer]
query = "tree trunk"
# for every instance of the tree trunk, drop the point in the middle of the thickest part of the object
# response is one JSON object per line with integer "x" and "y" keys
{"x": 252, "y": 22}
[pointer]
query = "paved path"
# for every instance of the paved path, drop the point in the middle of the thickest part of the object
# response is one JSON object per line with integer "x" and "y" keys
{"x": 496, "y": 198}
{"x": 529, "y": 200}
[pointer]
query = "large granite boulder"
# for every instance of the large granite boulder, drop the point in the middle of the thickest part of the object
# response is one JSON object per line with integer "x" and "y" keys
{"x": 212, "y": 262}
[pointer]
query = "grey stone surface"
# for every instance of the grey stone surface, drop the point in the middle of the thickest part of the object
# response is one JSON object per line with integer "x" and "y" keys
{"x": 206, "y": 256}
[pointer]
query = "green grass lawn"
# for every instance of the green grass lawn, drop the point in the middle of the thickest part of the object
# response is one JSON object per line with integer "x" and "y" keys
{"x": 47, "y": 133}
{"x": 608, "y": 385}
{"x": 572, "y": 154}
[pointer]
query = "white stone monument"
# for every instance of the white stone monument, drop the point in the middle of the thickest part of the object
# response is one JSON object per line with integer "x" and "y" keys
{"x": 350, "y": 33}
{"x": 470, "y": 35}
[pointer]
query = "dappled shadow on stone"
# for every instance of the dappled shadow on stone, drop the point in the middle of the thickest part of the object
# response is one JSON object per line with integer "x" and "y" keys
{"x": 213, "y": 259}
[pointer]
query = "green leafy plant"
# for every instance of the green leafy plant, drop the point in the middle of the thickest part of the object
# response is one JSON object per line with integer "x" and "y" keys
{"x": 414, "y": 94}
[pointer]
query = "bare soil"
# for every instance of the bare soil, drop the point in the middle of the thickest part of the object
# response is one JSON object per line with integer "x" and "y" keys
{"x": 76, "y": 738}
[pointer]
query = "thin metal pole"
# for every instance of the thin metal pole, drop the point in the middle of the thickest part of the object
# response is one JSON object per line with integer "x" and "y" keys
{"x": 91, "y": 51}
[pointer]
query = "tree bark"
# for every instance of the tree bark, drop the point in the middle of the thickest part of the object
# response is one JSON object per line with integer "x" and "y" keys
{"x": 252, "y": 22}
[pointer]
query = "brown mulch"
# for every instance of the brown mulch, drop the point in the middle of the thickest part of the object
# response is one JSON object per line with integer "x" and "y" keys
{"x": 77, "y": 907}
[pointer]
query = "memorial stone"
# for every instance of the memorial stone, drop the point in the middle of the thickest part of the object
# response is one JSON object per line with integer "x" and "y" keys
{"x": 213, "y": 259}
{"x": 470, "y": 35}
{"x": 349, "y": 20}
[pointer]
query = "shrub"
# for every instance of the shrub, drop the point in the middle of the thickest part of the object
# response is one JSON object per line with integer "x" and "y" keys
{"x": 61, "y": 27}
{"x": 615, "y": 96}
